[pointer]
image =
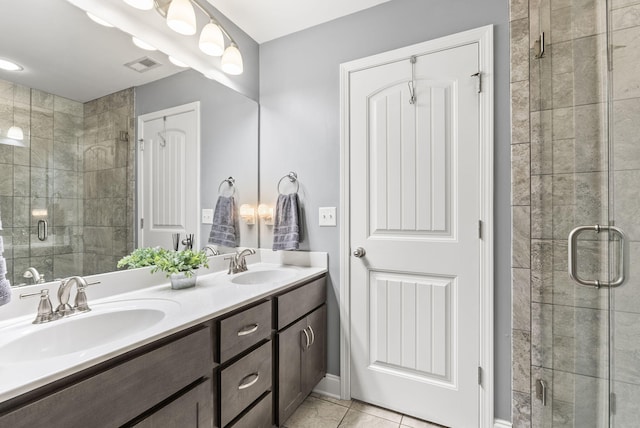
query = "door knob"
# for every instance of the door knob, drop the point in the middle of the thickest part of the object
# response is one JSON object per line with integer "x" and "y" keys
{"x": 359, "y": 252}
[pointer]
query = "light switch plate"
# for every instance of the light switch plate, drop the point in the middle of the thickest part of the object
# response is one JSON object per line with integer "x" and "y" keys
{"x": 207, "y": 216}
{"x": 327, "y": 216}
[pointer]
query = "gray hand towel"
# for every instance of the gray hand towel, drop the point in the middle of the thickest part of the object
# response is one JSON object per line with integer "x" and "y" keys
{"x": 5, "y": 286}
{"x": 287, "y": 228}
{"x": 225, "y": 223}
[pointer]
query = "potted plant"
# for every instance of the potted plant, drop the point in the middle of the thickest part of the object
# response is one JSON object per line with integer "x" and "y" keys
{"x": 179, "y": 266}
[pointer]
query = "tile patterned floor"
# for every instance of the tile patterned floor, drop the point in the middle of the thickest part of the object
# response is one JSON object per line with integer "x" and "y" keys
{"x": 319, "y": 411}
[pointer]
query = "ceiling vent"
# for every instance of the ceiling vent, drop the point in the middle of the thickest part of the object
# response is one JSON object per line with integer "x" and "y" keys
{"x": 143, "y": 64}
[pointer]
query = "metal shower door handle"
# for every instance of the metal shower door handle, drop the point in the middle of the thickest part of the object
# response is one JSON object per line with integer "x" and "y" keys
{"x": 573, "y": 256}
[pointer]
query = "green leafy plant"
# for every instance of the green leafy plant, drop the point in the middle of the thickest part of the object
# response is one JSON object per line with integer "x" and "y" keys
{"x": 170, "y": 262}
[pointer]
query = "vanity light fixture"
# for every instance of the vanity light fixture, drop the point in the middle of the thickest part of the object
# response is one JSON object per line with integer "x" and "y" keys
{"x": 266, "y": 214}
{"x": 7, "y": 65}
{"x": 142, "y": 44}
{"x": 181, "y": 18}
{"x": 98, "y": 20}
{"x": 248, "y": 214}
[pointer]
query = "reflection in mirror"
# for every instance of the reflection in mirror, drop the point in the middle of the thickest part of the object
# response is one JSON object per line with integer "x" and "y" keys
{"x": 68, "y": 197}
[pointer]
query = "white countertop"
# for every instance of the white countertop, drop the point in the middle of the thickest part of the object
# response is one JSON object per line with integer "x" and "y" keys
{"x": 213, "y": 295}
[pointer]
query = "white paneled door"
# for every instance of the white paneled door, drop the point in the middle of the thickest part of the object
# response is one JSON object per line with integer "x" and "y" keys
{"x": 168, "y": 171}
{"x": 415, "y": 210}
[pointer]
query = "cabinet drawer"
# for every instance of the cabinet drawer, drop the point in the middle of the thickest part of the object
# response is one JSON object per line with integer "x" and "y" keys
{"x": 115, "y": 396}
{"x": 244, "y": 381}
{"x": 243, "y": 330}
{"x": 299, "y": 302}
{"x": 260, "y": 416}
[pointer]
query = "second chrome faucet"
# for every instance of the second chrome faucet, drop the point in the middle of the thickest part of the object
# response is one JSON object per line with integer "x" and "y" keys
{"x": 237, "y": 262}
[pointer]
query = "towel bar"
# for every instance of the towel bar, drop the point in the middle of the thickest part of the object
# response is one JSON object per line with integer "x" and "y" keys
{"x": 231, "y": 182}
{"x": 293, "y": 177}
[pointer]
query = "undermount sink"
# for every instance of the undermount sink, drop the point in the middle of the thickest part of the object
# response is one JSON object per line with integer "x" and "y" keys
{"x": 106, "y": 323}
{"x": 262, "y": 276}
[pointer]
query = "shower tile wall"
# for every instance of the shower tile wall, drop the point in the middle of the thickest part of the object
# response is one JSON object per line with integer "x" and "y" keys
{"x": 109, "y": 181}
{"x": 75, "y": 173}
{"x": 560, "y": 178}
{"x": 41, "y": 182}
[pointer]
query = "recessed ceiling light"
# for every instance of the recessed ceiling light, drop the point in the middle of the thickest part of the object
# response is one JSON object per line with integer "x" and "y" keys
{"x": 143, "y": 45}
{"x": 177, "y": 62}
{"x": 5, "y": 64}
{"x": 98, "y": 20}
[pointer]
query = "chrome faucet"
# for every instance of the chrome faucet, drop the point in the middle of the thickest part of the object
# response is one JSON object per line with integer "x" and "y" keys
{"x": 64, "y": 308}
{"x": 210, "y": 249}
{"x": 32, "y": 272}
{"x": 237, "y": 262}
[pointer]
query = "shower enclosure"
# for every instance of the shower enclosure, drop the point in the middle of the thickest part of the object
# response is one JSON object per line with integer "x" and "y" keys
{"x": 67, "y": 190}
{"x": 576, "y": 212}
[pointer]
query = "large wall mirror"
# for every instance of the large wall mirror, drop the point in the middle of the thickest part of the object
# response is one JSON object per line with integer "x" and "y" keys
{"x": 68, "y": 188}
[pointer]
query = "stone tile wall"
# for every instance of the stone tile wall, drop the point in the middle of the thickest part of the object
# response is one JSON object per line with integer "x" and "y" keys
{"x": 75, "y": 173}
{"x": 109, "y": 177}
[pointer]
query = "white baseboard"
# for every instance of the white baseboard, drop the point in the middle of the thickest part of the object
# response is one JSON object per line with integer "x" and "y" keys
{"x": 499, "y": 423}
{"x": 329, "y": 386}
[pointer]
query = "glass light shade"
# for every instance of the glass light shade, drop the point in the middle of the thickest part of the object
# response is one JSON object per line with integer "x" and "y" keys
{"x": 140, "y": 4}
{"x": 266, "y": 213}
{"x": 99, "y": 20}
{"x": 248, "y": 213}
{"x": 142, "y": 44}
{"x": 5, "y": 64}
{"x": 211, "y": 40}
{"x": 15, "y": 133}
{"x": 177, "y": 62}
{"x": 181, "y": 17}
{"x": 232, "y": 60}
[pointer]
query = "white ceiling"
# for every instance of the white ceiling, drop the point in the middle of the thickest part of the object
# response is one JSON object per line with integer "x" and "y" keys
{"x": 266, "y": 20}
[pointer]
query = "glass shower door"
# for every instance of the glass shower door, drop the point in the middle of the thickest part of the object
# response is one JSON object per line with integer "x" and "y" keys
{"x": 569, "y": 189}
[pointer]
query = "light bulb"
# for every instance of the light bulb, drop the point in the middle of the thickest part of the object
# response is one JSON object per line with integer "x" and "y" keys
{"x": 142, "y": 44}
{"x": 181, "y": 17}
{"x": 211, "y": 40}
{"x": 15, "y": 133}
{"x": 232, "y": 60}
{"x": 177, "y": 62}
{"x": 140, "y": 4}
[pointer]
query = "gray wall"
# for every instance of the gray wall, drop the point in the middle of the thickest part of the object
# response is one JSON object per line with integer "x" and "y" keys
{"x": 228, "y": 137}
{"x": 299, "y": 131}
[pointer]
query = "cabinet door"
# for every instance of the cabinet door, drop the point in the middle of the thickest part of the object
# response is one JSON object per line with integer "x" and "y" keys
{"x": 193, "y": 409}
{"x": 291, "y": 343}
{"x": 315, "y": 357}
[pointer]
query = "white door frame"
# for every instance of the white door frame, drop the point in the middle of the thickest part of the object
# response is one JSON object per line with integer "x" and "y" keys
{"x": 484, "y": 37}
{"x": 184, "y": 108}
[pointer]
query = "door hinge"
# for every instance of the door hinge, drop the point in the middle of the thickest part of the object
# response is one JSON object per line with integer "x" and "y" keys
{"x": 479, "y": 229}
{"x": 612, "y": 403}
{"x": 141, "y": 144}
{"x": 141, "y": 223}
{"x": 479, "y": 375}
{"x": 479, "y": 76}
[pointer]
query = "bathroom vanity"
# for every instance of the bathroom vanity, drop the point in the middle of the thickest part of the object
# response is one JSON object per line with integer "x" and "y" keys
{"x": 249, "y": 364}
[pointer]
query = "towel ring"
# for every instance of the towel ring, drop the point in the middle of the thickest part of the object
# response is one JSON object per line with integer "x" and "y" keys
{"x": 293, "y": 177}
{"x": 231, "y": 182}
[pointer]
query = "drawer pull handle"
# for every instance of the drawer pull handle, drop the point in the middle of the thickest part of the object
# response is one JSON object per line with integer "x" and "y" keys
{"x": 248, "y": 329}
{"x": 248, "y": 382}
{"x": 306, "y": 335}
{"x": 313, "y": 336}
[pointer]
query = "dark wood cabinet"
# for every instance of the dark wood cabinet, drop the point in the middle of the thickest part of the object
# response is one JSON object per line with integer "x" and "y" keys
{"x": 119, "y": 393}
{"x": 301, "y": 321}
{"x": 192, "y": 409}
